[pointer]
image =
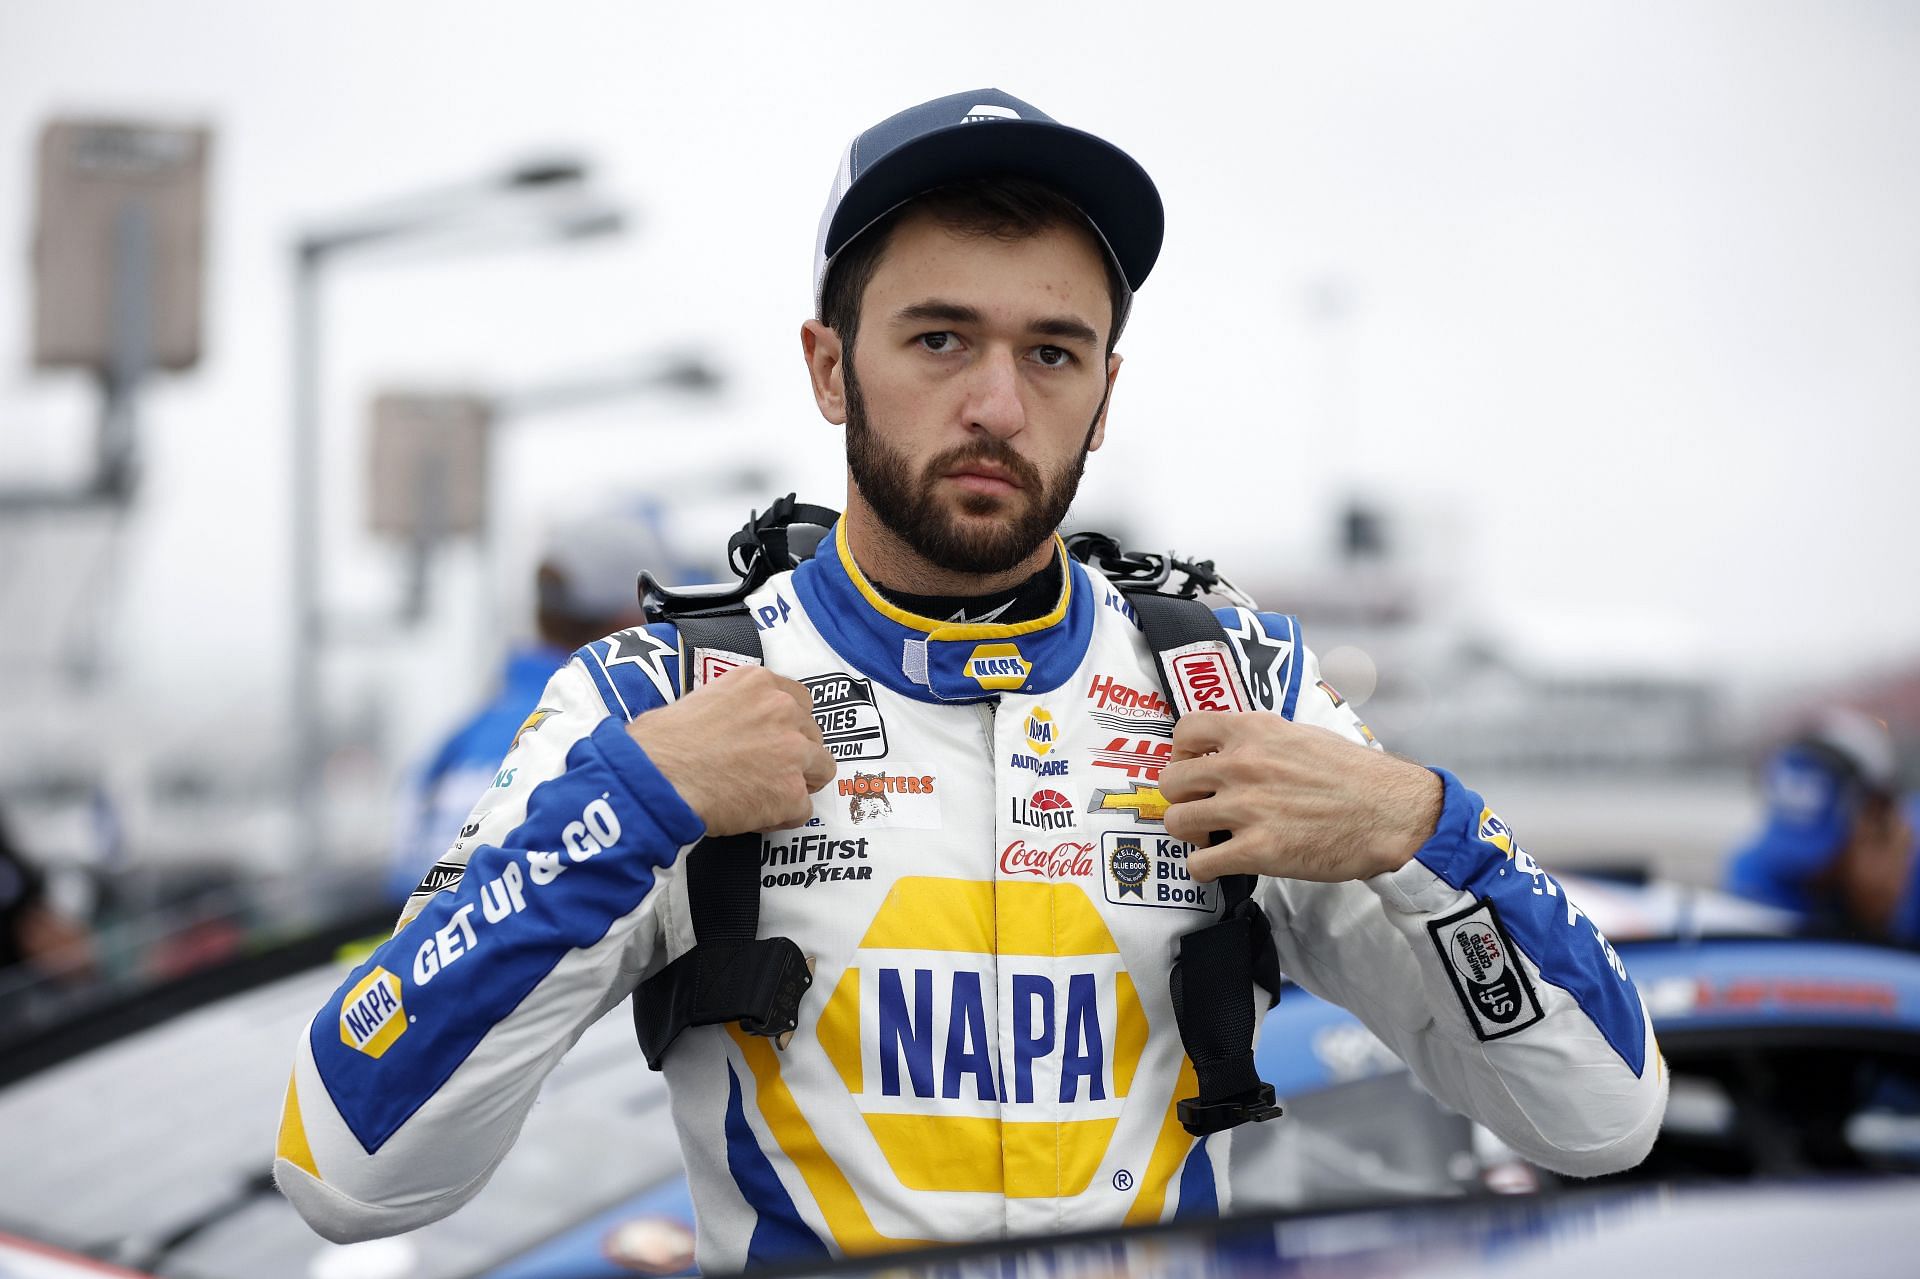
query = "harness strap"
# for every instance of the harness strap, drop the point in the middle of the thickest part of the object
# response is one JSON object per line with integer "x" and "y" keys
{"x": 730, "y": 974}
{"x": 1214, "y": 1009}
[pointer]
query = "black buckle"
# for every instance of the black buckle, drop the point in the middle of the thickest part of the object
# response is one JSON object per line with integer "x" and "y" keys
{"x": 763, "y": 547}
{"x": 1205, "y": 1118}
{"x": 1148, "y": 571}
{"x": 778, "y": 988}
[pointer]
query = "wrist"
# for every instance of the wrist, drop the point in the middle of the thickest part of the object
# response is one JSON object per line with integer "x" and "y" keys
{"x": 1410, "y": 814}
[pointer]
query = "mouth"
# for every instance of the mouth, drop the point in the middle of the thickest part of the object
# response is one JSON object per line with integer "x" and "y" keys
{"x": 985, "y": 478}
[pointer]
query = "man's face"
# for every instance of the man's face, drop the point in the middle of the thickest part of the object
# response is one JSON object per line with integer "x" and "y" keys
{"x": 981, "y": 386}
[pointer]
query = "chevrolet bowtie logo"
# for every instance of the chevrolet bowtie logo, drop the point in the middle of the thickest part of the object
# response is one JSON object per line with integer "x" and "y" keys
{"x": 1141, "y": 799}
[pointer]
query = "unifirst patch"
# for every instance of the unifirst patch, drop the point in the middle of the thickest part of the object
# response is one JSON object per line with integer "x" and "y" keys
{"x": 372, "y": 1015}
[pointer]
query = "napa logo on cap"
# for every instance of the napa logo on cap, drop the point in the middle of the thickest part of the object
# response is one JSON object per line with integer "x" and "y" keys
{"x": 997, "y": 666}
{"x": 372, "y": 1015}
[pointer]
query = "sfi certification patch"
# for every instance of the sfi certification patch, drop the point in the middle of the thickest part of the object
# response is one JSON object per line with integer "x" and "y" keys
{"x": 1486, "y": 971}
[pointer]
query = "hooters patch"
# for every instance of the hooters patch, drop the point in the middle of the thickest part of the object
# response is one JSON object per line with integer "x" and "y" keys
{"x": 1486, "y": 971}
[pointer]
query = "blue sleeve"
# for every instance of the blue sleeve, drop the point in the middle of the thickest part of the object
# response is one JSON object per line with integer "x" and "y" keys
{"x": 581, "y": 857}
{"x": 1473, "y": 850}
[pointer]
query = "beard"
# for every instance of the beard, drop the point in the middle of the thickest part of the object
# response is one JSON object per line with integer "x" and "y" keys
{"x": 906, "y": 504}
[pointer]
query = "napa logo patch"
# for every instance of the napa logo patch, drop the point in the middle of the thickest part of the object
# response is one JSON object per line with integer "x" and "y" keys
{"x": 372, "y": 1015}
{"x": 997, "y": 666}
{"x": 998, "y": 998}
{"x": 1040, "y": 731}
{"x": 1496, "y": 832}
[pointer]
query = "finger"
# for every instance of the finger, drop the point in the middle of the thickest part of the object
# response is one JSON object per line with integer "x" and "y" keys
{"x": 796, "y": 814}
{"x": 1191, "y": 778}
{"x": 1225, "y": 858}
{"x": 797, "y": 691}
{"x": 1203, "y": 732}
{"x": 1196, "y": 821}
{"x": 818, "y": 768}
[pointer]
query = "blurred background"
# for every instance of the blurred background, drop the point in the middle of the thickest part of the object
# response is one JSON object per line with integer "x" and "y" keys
{"x": 1559, "y": 366}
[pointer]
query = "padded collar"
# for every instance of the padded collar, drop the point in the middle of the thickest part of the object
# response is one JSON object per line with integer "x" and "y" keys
{"x": 936, "y": 661}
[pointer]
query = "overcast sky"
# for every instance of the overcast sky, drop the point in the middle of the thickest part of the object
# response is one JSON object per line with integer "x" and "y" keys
{"x": 1625, "y": 299}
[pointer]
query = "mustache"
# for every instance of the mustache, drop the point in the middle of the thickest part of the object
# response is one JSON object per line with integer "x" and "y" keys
{"x": 987, "y": 449}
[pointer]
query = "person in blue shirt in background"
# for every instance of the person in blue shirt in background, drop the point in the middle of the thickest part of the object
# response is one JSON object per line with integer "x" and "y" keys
{"x": 1838, "y": 846}
{"x": 586, "y": 588}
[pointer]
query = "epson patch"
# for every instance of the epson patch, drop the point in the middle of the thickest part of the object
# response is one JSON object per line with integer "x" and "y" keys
{"x": 1486, "y": 971}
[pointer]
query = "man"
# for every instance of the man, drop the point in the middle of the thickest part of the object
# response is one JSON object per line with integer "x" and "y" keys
{"x": 33, "y": 933}
{"x": 1838, "y": 847}
{"x": 991, "y": 852}
{"x": 584, "y": 588}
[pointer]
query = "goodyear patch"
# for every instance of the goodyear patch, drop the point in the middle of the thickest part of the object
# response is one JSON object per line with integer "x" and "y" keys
{"x": 372, "y": 1016}
{"x": 1486, "y": 971}
{"x": 997, "y": 666}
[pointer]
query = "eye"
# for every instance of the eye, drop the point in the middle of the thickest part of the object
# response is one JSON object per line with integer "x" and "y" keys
{"x": 1053, "y": 356}
{"x": 935, "y": 341}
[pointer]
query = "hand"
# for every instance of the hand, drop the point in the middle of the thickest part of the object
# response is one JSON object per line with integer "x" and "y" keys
{"x": 743, "y": 751}
{"x": 1296, "y": 801}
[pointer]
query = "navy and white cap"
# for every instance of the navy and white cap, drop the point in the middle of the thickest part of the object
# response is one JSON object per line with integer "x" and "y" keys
{"x": 1814, "y": 788}
{"x": 980, "y": 133}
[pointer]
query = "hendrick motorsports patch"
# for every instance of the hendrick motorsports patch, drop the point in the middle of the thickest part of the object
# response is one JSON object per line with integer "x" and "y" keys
{"x": 1486, "y": 971}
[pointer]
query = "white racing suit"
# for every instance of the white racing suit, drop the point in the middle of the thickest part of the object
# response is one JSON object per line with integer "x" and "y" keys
{"x": 992, "y": 904}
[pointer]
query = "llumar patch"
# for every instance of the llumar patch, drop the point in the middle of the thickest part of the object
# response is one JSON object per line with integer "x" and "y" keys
{"x": 1486, "y": 971}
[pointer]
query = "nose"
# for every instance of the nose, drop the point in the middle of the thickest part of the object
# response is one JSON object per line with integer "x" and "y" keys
{"x": 993, "y": 395}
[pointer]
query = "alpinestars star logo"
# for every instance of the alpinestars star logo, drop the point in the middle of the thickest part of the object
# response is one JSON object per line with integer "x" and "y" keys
{"x": 1263, "y": 657}
{"x": 646, "y": 650}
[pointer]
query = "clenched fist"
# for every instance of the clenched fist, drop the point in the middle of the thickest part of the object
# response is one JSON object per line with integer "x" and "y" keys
{"x": 743, "y": 751}
{"x": 1296, "y": 801}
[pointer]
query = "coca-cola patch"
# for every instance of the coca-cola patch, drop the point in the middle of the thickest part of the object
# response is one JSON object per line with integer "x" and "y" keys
{"x": 1487, "y": 973}
{"x": 1068, "y": 859}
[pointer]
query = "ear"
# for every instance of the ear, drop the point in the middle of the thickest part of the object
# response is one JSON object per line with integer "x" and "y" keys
{"x": 1099, "y": 435}
{"x": 821, "y": 346}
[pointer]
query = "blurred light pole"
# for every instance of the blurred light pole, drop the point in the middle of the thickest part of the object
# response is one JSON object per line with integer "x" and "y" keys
{"x": 545, "y": 199}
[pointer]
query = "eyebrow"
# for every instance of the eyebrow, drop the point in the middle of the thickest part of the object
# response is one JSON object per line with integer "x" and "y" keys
{"x": 1053, "y": 326}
